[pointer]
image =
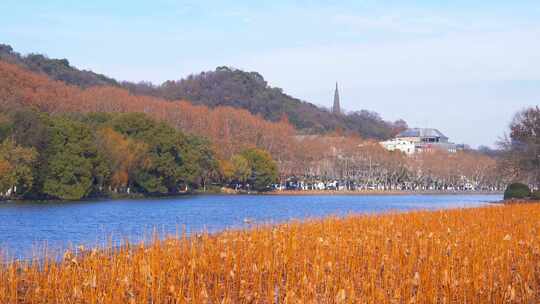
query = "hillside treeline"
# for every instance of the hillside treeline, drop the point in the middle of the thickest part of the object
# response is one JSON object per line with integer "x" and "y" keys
{"x": 57, "y": 69}
{"x": 223, "y": 87}
{"x": 230, "y": 130}
{"x": 249, "y": 90}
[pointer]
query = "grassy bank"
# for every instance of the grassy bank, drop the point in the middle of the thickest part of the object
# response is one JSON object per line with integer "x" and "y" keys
{"x": 481, "y": 255}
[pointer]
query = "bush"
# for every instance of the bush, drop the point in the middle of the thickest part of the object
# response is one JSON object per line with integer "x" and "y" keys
{"x": 535, "y": 195}
{"x": 517, "y": 190}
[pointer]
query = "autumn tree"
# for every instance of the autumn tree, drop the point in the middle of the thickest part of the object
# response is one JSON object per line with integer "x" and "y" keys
{"x": 235, "y": 171}
{"x": 522, "y": 148}
{"x": 123, "y": 156}
{"x": 226, "y": 171}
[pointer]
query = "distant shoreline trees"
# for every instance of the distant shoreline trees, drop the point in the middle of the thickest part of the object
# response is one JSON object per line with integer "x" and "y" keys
{"x": 356, "y": 164}
{"x": 103, "y": 140}
{"x": 105, "y": 154}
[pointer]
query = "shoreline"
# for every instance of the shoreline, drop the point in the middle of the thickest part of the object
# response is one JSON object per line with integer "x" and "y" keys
{"x": 270, "y": 193}
{"x": 378, "y": 192}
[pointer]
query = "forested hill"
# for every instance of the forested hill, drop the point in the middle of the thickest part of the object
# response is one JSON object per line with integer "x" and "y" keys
{"x": 57, "y": 69}
{"x": 249, "y": 90}
{"x": 223, "y": 87}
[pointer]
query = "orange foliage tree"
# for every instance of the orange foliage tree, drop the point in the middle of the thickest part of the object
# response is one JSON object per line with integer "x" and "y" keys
{"x": 123, "y": 155}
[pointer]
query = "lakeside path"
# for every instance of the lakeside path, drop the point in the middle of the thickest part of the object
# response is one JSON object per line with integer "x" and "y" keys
{"x": 378, "y": 192}
{"x": 472, "y": 255}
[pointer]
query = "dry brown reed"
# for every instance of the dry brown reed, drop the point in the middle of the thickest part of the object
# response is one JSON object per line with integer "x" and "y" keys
{"x": 480, "y": 255}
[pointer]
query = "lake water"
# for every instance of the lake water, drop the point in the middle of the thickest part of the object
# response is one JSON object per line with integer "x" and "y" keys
{"x": 25, "y": 226}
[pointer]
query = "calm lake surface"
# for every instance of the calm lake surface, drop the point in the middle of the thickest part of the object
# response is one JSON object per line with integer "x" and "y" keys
{"x": 27, "y": 226}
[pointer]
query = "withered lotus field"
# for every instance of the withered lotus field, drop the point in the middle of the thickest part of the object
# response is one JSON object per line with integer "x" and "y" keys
{"x": 480, "y": 255}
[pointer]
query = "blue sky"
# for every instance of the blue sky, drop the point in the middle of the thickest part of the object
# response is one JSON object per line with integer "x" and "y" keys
{"x": 464, "y": 67}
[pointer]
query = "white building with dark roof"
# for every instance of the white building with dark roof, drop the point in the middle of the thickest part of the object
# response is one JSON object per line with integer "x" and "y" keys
{"x": 417, "y": 140}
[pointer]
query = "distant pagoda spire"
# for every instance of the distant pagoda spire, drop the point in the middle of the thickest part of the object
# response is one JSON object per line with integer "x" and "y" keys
{"x": 336, "y": 108}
